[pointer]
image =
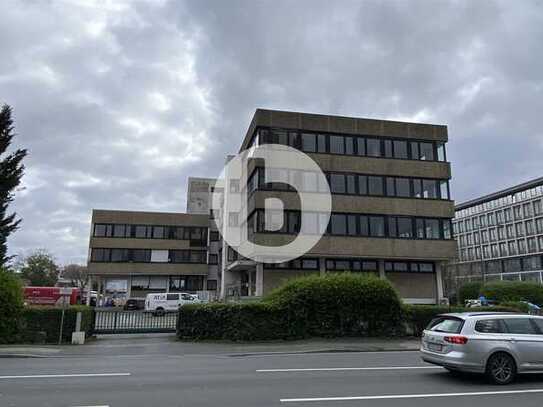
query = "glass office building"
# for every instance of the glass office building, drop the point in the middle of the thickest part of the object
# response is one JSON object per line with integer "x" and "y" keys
{"x": 500, "y": 237}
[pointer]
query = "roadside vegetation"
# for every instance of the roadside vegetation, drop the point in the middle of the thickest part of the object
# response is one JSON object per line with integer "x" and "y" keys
{"x": 335, "y": 305}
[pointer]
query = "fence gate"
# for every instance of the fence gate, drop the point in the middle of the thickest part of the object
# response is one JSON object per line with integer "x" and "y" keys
{"x": 131, "y": 322}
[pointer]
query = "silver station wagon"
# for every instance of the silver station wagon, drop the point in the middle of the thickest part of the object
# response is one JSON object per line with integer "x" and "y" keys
{"x": 501, "y": 345}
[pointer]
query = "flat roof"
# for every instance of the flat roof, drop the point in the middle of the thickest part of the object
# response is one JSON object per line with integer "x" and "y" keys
{"x": 500, "y": 194}
{"x": 344, "y": 125}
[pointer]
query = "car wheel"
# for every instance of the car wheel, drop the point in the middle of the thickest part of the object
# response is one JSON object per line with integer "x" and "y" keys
{"x": 159, "y": 312}
{"x": 501, "y": 368}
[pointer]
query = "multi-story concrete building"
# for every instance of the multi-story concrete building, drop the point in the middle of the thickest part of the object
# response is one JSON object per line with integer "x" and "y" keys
{"x": 391, "y": 211}
{"x": 391, "y": 208}
{"x": 500, "y": 236}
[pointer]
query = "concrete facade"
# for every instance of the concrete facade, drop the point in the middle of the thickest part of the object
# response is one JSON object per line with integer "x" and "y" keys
{"x": 500, "y": 237}
{"x": 401, "y": 155}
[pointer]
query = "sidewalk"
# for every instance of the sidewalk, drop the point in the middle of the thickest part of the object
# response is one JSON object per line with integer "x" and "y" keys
{"x": 133, "y": 345}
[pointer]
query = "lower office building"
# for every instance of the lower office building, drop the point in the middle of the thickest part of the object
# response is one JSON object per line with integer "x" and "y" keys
{"x": 500, "y": 237}
{"x": 391, "y": 216}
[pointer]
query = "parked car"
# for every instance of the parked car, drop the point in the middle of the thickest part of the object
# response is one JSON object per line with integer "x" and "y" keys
{"x": 500, "y": 345}
{"x": 161, "y": 303}
{"x": 134, "y": 304}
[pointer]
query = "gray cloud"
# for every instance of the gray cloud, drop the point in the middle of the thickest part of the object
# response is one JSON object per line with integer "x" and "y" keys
{"x": 119, "y": 103}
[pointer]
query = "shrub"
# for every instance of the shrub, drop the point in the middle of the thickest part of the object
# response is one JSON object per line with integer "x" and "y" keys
{"x": 419, "y": 316}
{"x": 237, "y": 322}
{"x": 521, "y": 306}
{"x": 340, "y": 305}
{"x": 507, "y": 291}
{"x": 332, "y": 306}
{"x": 469, "y": 291}
{"x": 11, "y": 305}
{"x": 42, "y": 324}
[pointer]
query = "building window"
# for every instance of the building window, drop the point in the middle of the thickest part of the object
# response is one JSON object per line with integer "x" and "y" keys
{"x": 321, "y": 143}
{"x": 375, "y": 186}
{"x": 377, "y": 226}
{"x": 403, "y": 188}
{"x": 426, "y": 151}
{"x": 119, "y": 230}
{"x": 361, "y": 146}
{"x": 336, "y": 145}
{"x": 214, "y": 236}
{"x": 213, "y": 259}
{"x": 309, "y": 143}
{"x": 373, "y": 147}
{"x": 100, "y": 255}
{"x": 432, "y": 228}
{"x": 338, "y": 224}
{"x": 211, "y": 285}
{"x": 337, "y": 183}
{"x": 400, "y": 149}
{"x": 103, "y": 230}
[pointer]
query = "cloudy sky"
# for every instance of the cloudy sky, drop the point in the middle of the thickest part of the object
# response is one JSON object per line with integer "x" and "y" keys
{"x": 119, "y": 102}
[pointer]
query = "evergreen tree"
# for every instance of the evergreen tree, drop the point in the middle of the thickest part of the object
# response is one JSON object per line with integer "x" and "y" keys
{"x": 11, "y": 172}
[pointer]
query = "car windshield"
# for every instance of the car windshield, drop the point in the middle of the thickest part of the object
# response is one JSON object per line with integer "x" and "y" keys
{"x": 446, "y": 324}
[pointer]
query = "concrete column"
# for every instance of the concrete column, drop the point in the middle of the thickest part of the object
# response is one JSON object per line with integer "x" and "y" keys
{"x": 99, "y": 290}
{"x": 381, "y": 266}
{"x": 128, "y": 287}
{"x": 259, "y": 280}
{"x": 439, "y": 282}
{"x": 89, "y": 288}
{"x": 250, "y": 282}
{"x": 322, "y": 266}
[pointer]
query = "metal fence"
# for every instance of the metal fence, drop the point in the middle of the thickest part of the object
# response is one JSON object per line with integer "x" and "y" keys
{"x": 126, "y": 322}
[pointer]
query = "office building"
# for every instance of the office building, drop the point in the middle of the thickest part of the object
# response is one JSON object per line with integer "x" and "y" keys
{"x": 391, "y": 213}
{"x": 500, "y": 236}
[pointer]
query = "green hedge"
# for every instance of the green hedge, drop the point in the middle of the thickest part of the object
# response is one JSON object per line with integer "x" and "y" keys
{"x": 329, "y": 306}
{"x": 507, "y": 291}
{"x": 11, "y": 305}
{"x": 469, "y": 291}
{"x": 417, "y": 317}
{"x": 237, "y": 322}
{"x": 42, "y": 324}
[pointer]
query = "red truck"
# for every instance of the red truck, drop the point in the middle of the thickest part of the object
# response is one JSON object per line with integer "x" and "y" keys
{"x": 50, "y": 296}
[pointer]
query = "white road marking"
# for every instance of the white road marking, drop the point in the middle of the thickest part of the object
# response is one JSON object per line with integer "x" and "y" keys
{"x": 92, "y": 406}
{"x": 46, "y": 376}
{"x": 414, "y": 396}
{"x": 324, "y": 369}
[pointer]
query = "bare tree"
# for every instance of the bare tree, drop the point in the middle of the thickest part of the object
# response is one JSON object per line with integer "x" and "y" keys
{"x": 77, "y": 274}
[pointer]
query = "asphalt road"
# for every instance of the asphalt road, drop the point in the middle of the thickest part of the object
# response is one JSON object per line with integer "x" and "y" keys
{"x": 296, "y": 380}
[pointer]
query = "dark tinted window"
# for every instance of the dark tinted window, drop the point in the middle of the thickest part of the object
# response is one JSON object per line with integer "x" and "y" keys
{"x": 336, "y": 145}
{"x": 489, "y": 326}
{"x": 361, "y": 146}
{"x": 338, "y": 225}
{"x": 446, "y": 324}
{"x": 321, "y": 143}
{"x": 309, "y": 143}
{"x": 400, "y": 149}
{"x": 172, "y": 297}
{"x": 377, "y": 226}
{"x": 402, "y": 187}
{"x": 337, "y": 183}
{"x": 519, "y": 326}
{"x": 375, "y": 185}
{"x": 373, "y": 147}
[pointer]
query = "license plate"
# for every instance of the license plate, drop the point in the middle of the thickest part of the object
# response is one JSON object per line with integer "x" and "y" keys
{"x": 435, "y": 347}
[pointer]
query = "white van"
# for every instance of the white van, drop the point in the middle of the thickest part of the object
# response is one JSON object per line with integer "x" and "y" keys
{"x": 160, "y": 303}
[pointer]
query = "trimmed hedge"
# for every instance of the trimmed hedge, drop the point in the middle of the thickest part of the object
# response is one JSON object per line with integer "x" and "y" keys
{"x": 237, "y": 322}
{"x": 469, "y": 291}
{"x": 507, "y": 291}
{"x": 417, "y": 317}
{"x": 42, "y": 324}
{"x": 11, "y": 305}
{"x": 328, "y": 306}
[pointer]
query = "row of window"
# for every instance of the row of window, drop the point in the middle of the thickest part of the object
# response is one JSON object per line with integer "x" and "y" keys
{"x": 341, "y": 264}
{"x": 511, "y": 231}
{"x": 311, "y": 142}
{"x": 148, "y": 256}
{"x": 351, "y": 184}
{"x": 119, "y": 230}
{"x": 172, "y": 283}
{"x": 503, "y": 249}
{"x": 498, "y": 266}
{"x": 517, "y": 212}
{"x": 501, "y": 202}
{"x": 346, "y": 224}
